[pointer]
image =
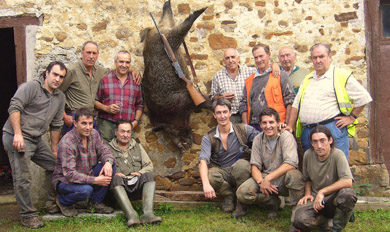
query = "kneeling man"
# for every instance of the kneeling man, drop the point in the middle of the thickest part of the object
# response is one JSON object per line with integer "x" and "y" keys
{"x": 274, "y": 161}
{"x": 225, "y": 151}
{"x": 84, "y": 167}
{"x": 134, "y": 175}
{"x": 328, "y": 192}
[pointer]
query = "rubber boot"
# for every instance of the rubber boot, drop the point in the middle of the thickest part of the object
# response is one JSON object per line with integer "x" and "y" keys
{"x": 340, "y": 220}
{"x": 241, "y": 210}
{"x": 148, "y": 202}
{"x": 125, "y": 204}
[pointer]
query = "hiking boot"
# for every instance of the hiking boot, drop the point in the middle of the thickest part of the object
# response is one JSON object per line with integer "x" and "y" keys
{"x": 52, "y": 207}
{"x": 94, "y": 207}
{"x": 228, "y": 204}
{"x": 67, "y": 211}
{"x": 81, "y": 204}
{"x": 33, "y": 222}
{"x": 240, "y": 211}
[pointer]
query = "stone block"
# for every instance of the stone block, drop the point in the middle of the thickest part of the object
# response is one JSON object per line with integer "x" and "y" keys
{"x": 187, "y": 181}
{"x": 179, "y": 187}
{"x": 177, "y": 175}
{"x": 219, "y": 41}
{"x": 150, "y": 137}
{"x": 183, "y": 8}
{"x": 82, "y": 26}
{"x": 376, "y": 175}
{"x": 197, "y": 138}
{"x": 123, "y": 33}
{"x": 357, "y": 157}
{"x": 345, "y": 16}
{"x": 162, "y": 183}
{"x": 170, "y": 163}
{"x": 269, "y": 35}
{"x": 188, "y": 158}
{"x": 260, "y": 3}
{"x": 261, "y": 13}
{"x": 100, "y": 26}
{"x": 228, "y": 5}
{"x": 283, "y": 23}
{"x": 61, "y": 36}
{"x": 229, "y": 25}
{"x": 206, "y": 25}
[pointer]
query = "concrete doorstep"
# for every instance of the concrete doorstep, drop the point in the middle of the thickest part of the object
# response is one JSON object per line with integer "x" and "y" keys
{"x": 186, "y": 200}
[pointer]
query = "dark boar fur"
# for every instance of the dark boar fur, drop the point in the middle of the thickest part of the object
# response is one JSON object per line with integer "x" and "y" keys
{"x": 166, "y": 97}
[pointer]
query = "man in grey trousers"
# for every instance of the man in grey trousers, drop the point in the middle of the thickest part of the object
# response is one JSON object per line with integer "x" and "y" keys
{"x": 35, "y": 106}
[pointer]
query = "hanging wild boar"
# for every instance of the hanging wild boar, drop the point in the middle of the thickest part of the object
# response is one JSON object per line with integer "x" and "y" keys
{"x": 165, "y": 94}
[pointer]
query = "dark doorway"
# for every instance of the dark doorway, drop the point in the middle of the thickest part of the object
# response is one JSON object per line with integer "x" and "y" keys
{"x": 8, "y": 81}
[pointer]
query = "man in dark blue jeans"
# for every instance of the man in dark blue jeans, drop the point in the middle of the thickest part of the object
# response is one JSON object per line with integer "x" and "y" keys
{"x": 74, "y": 179}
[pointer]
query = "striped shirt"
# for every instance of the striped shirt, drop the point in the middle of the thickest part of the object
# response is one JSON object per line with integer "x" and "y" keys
{"x": 224, "y": 83}
{"x": 128, "y": 96}
{"x": 74, "y": 162}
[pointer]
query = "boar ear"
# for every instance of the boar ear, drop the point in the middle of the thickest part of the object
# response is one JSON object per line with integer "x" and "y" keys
{"x": 167, "y": 16}
{"x": 143, "y": 34}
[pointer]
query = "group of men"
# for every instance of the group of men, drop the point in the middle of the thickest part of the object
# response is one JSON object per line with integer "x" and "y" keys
{"x": 260, "y": 106}
{"x": 82, "y": 165}
{"x": 321, "y": 106}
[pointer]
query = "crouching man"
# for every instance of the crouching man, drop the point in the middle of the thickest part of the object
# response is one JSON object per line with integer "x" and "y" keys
{"x": 224, "y": 149}
{"x": 84, "y": 167}
{"x": 328, "y": 192}
{"x": 134, "y": 175}
{"x": 274, "y": 160}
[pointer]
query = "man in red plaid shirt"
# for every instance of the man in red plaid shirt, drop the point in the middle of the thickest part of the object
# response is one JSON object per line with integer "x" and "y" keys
{"x": 84, "y": 167}
{"x": 118, "y": 97}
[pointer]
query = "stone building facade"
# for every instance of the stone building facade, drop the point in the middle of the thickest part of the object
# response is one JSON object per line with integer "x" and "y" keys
{"x": 116, "y": 25}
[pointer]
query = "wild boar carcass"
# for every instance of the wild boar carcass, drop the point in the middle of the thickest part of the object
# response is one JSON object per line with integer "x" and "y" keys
{"x": 166, "y": 97}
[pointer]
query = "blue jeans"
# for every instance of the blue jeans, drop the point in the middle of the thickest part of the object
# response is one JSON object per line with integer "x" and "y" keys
{"x": 66, "y": 129}
{"x": 70, "y": 194}
{"x": 340, "y": 137}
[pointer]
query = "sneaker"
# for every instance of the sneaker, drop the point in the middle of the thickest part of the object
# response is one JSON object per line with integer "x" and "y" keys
{"x": 33, "y": 222}
{"x": 94, "y": 207}
{"x": 67, "y": 211}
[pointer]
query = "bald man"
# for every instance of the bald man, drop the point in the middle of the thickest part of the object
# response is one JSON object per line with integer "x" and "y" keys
{"x": 287, "y": 58}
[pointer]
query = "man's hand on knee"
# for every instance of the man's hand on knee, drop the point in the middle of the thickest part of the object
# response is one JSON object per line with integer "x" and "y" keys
{"x": 102, "y": 180}
{"x": 106, "y": 170}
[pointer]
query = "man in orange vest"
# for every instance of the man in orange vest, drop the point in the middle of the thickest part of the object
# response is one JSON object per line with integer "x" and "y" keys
{"x": 263, "y": 90}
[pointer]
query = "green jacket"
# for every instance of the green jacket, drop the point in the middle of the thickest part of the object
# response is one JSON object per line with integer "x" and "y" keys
{"x": 133, "y": 159}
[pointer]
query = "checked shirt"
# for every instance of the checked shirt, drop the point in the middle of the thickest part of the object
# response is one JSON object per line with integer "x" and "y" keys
{"x": 74, "y": 162}
{"x": 128, "y": 96}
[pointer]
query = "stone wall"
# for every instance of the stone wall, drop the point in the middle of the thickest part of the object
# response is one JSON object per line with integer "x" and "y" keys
{"x": 116, "y": 25}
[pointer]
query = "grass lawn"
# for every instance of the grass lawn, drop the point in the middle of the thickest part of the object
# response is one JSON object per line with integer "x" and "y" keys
{"x": 206, "y": 218}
